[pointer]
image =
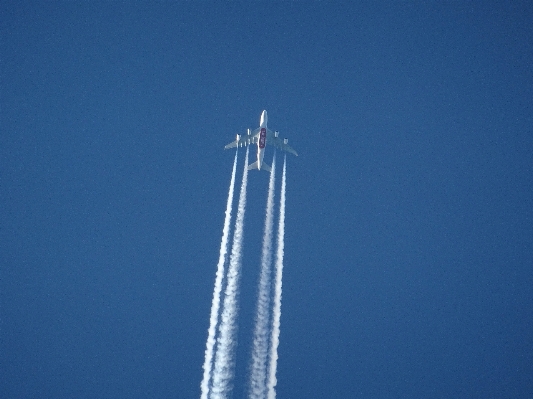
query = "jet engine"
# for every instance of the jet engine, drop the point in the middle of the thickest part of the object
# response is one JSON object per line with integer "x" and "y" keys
{"x": 238, "y": 137}
{"x": 249, "y": 132}
{"x": 276, "y": 133}
{"x": 285, "y": 141}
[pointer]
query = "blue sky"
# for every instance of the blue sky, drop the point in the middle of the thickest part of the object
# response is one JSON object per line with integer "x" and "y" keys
{"x": 409, "y": 238}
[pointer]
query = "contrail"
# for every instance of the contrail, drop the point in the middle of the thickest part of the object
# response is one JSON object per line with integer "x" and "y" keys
{"x": 225, "y": 356}
{"x": 260, "y": 342}
{"x": 215, "y": 305}
{"x": 276, "y": 311}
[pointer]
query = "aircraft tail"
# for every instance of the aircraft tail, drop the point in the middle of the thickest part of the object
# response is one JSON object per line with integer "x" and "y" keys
{"x": 264, "y": 166}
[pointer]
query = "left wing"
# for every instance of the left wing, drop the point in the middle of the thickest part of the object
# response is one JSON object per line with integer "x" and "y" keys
{"x": 279, "y": 143}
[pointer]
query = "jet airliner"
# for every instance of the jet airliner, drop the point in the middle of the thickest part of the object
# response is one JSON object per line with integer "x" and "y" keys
{"x": 262, "y": 136}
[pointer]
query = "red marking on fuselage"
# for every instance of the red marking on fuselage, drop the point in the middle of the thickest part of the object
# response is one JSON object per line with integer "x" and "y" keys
{"x": 262, "y": 138}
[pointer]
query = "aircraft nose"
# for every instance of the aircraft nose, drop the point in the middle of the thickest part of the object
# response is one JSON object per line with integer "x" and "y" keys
{"x": 264, "y": 119}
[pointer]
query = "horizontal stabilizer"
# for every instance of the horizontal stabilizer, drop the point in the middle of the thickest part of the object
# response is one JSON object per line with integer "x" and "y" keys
{"x": 264, "y": 166}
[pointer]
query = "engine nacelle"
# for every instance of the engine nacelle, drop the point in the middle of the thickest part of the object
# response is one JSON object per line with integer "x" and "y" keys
{"x": 238, "y": 137}
{"x": 249, "y": 132}
{"x": 276, "y": 133}
{"x": 285, "y": 141}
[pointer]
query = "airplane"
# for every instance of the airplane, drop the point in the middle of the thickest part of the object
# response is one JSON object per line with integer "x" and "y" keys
{"x": 262, "y": 136}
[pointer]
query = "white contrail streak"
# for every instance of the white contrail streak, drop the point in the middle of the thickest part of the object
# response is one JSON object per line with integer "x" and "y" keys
{"x": 260, "y": 342}
{"x": 215, "y": 305}
{"x": 276, "y": 311}
{"x": 225, "y": 356}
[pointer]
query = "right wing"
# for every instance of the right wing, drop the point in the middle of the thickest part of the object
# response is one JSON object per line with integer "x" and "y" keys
{"x": 245, "y": 139}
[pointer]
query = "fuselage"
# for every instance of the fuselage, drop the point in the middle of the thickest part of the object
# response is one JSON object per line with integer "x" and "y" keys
{"x": 261, "y": 143}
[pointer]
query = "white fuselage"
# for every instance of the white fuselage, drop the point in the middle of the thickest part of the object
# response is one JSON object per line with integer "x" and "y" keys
{"x": 261, "y": 142}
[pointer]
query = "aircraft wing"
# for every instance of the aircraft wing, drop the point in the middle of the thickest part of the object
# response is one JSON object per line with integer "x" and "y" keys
{"x": 279, "y": 143}
{"x": 245, "y": 139}
{"x": 232, "y": 145}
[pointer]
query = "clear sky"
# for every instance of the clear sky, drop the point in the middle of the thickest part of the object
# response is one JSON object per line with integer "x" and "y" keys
{"x": 409, "y": 227}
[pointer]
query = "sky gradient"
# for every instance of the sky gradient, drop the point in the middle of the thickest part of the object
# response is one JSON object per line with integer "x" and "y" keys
{"x": 409, "y": 223}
